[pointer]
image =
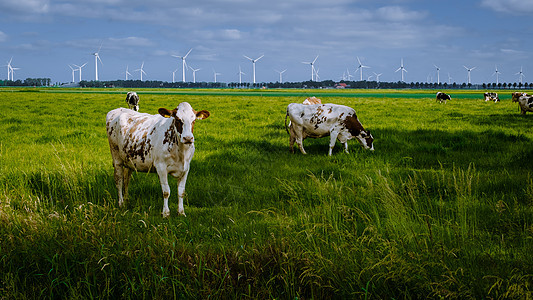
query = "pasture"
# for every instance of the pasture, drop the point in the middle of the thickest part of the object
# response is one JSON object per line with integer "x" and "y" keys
{"x": 443, "y": 208}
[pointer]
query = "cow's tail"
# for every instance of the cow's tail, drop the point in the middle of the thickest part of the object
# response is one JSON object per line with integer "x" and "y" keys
{"x": 286, "y": 116}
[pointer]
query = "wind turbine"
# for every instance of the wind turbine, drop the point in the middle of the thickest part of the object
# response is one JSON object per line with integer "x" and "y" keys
{"x": 317, "y": 78}
{"x": 194, "y": 74}
{"x": 377, "y": 76}
{"x": 312, "y": 63}
{"x": 240, "y": 75}
{"x": 183, "y": 62}
{"x": 469, "y": 70}
{"x": 73, "y": 70}
{"x": 127, "y": 73}
{"x": 360, "y": 67}
{"x": 253, "y": 63}
{"x": 281, "y": 75}
{"x": 79, "y": 68}
{"x": 173, "y": 75}
{"x": 438, "y": 73}
{"x": 9, "y": 69}
{"x": 141, "y": 71}
{"x": 449, "y": 79}
{"x": 350, "y": 76}
{"x": 521, "y": 75}
{"x": 497, "y": 73}
{"x": 215, "y": 74}
{"x": 96, "y": 59}
{"x": 401, "y": 68}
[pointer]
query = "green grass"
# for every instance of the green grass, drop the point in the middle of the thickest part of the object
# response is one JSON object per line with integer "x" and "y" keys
{"x": 442, "y": 208}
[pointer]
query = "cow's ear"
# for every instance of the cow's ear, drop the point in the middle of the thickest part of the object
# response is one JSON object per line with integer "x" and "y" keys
{"x": 203, "y": 114}
{"x": 165, "y": 112}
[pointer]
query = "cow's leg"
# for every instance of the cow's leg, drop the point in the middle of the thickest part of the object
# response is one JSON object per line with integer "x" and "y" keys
{"x": 292, "y": 139}
{"x": 163, "y": 179}
{"x": 346, "y": 147}
{"x": 181, "y": 193}
{"x": 127, "y": 177}
{"x": 332, "y": 139}
{"x": 119, "y": 181}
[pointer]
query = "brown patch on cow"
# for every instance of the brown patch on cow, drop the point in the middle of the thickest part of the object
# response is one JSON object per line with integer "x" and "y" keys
{"x": 353, "y": 125}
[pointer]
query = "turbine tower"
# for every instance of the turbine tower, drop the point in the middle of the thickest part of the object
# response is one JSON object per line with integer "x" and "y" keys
{"x": 127, "y": 73}
{"x": 174, "y": 75}
{"x": 377, "y": 76}
{"x": 183, "y": 62}
{"x": 281, "y": 75}
{"x": 141, "y": 71}
{"x": 215, "y": 74}
{"x": 312, "y": 63}
{"x": 240, "y": 75}
{"x": 96, "y": 59}
{"x": 73, "y": 70}
{"x": 253, "y": 63}
{"x": 361, "y": 68}
{"x": 194, "y": 74}
{"x": 79, "y": 68}
{"x": 497, "y": 73}
{"x": 401, "y": 68}
{"x": 469, "y": 70}
{"x": 438, "y": 73}
{"x": 520, "y": 75}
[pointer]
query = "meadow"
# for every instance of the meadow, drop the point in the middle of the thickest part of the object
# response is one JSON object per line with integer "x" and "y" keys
{"x": 443, "y": 208}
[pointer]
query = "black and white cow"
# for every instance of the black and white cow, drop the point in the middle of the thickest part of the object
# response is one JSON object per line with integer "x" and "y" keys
{"x": 491, "y": 96}
{"x": 320, "y": 120}
{"x": 442, "y": 97}
{"x": 133, "y": 101}
{"x": 525, "y": 102}
{"x": 162, "y": 143}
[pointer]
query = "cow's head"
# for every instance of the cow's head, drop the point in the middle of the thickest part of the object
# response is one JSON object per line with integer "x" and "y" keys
{"x": 133, "y": 101}
{"x": 357, "y": 131}
{"x": 184, "y": 117}
{"x": 516, "y": 96}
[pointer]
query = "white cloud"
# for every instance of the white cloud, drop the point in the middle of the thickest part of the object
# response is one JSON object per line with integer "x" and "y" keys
{"x": 3, "y": 36}
{"x": 517, "y": 7}
{"x": 399, "y": 14}
{"x": 26, "y": 6}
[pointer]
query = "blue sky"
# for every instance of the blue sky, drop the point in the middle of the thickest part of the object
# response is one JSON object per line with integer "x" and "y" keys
{"x": 44, "y": 36}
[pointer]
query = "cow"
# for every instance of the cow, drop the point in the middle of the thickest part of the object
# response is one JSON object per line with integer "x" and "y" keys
{"x": 161, "y": 143}
{"x": 491, "y": 96}
{"x": 320, "y": 120}
{"x": 442, "y": 97}
{"x": 133, "y": 101}
{"x": 525, "y": 102}
{"x": 312, "y": 100}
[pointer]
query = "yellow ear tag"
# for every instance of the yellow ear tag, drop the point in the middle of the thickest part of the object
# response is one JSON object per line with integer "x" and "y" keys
{"x": 167, "y": 116}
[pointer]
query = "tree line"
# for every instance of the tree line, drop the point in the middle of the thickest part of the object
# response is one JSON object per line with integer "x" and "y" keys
{"x": 326, "y": 84}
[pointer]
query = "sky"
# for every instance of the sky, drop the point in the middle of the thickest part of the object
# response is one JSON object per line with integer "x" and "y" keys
{"x": 43, "y": 37}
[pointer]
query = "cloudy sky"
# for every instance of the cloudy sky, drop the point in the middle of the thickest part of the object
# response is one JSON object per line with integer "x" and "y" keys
{"x": 44, "y": 36}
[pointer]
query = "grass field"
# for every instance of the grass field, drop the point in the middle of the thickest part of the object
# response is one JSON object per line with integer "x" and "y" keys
{"x": 443, "y": 208}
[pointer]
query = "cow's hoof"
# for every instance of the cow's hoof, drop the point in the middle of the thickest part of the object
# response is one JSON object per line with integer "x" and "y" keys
{"x": 166, "y": 214}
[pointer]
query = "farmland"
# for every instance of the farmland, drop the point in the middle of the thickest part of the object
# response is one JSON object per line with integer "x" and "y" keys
{"x": 442, "y": 208}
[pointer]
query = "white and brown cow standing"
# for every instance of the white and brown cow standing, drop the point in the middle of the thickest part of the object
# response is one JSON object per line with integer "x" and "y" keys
{"x": 320, "y": 120}
{"x": 133, "y": 101}
{"x": 525, "y": 102}
{"x": 162, "y": 143}
{"x": 491, "y": 96}
{"x": 442, "y": 97}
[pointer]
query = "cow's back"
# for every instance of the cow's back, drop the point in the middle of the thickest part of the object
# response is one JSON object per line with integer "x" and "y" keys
{"x": 318, "y": 119}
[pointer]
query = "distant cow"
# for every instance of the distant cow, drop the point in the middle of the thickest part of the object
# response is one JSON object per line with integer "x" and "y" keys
{"x": 491, "y": 96}
{"x": 442, "y": 97}
{"x": 133, "y": 101}
{"x": 320, "y": 120}
{"x": 312, "y": 100}
{"x": 525, "y": 102}
{"x": 162, "y": 143}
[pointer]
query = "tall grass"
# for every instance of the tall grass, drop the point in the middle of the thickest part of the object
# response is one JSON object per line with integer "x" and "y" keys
{"x": 442, "y": 208}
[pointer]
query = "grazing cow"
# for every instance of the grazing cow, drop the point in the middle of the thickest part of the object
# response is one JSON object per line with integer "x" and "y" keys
{"x": 491, "y": 96}
{"x": 525, "y": 102}
{"x": 442, "y": 97}
{"x": 133, "y": 101}
{"x": 312, "y": 100}
{"x": 162, "y": 143}
{"x": 320, "y": 120}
